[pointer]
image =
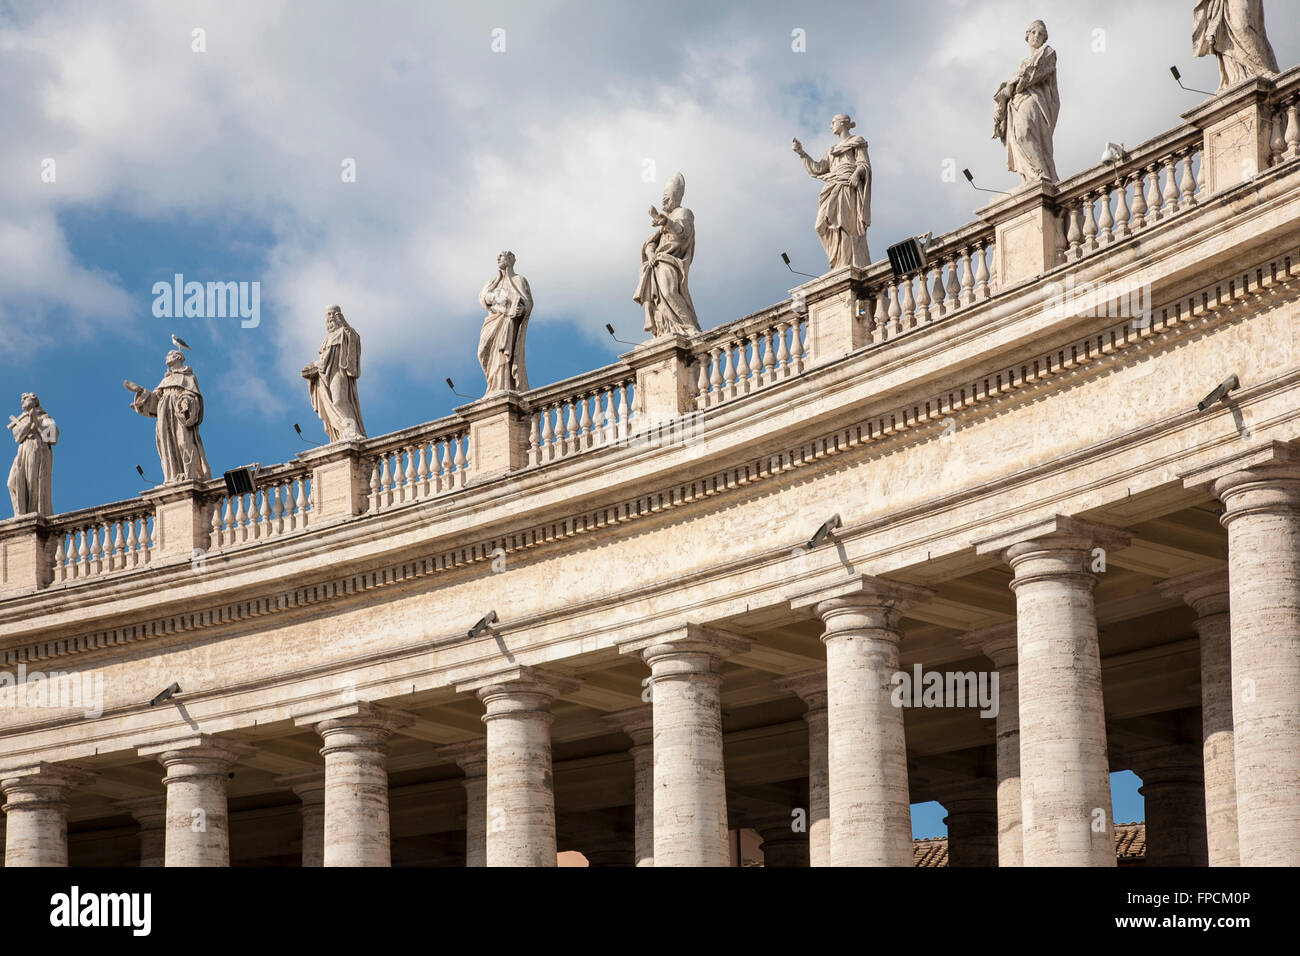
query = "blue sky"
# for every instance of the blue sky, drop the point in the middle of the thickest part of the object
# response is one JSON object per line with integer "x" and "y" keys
{"x": 225, "y": 165}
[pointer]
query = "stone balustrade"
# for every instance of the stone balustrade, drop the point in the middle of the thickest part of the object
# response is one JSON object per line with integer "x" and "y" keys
{"x": 99, "y": 541}
{"x": 744, "y": 356}
{"x": 408, "y": 467}
{"x": 279, "y": 504}
{"x": 580, "y": 413}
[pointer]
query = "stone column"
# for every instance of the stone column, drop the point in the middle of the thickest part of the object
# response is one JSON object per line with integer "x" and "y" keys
{"x": 690, "y": 797}
{"x": 151, "y": 814}
{"x": 1207, "y": 594}
{"x": 356, "y": 780}
{"x": 36, "y": 813}
{"x": 471, "y": 757}
{"x": 782, "y": 846}
{"x": 198, "y": 771}
{"x": 1173, "y": 789}
{"x": 310, "y": 790}
{"x": 810, "y": 687}
{"x": 638, "y": 723}
{"x": 998, "y": 644}
{"x": 972, "y": 820}
{"x": 870, "y": 806}
{"x": 1064, "y": 769}
{"x": 520, "y": 788}
{"x": 1262, "y": 515}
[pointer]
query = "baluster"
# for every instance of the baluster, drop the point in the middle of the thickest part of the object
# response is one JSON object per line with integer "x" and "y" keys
{"x": 1188, "y": 181}
{"x": 993, "y": 268}
{"x": 880, "y": 331}
{"x": 981, "y": 270}
{"x": 1121, "y": 209}
{"x": 570, "y": 427}
{"x": 967, "y": 278}
{"x": 797, "y": 352}
{"x": 769, "y": 357}
{"x": 534, "y": 444}
{"x": 1090, "y": 243}
{"x": 922, "y": 298}
{"x": 385, "y": 480}
{"x": 278, "y": 490}
{"x": 96, "y": 564}
{"x": 1074, "y": 231}
{"x": 240, "y": 530}
{"x": 129, "y": 556}
{"x": 895, "y": 311}
{"x": 409, "y": 489}
{"x": 584, "y": 424}
{"x": 459, "y": 460}
{"x": 422, "y": 466}
{"x": 1292, "y": 132}
{"x": 605, "y": 413}
{"x": 264, "y": 526}
{"x": 1139, "y": 220}
{"x": 1155, "y": 199}
{"x": 116, "y": 557}
{"x": 702, "y": 381}
{"x": 940, "y": 293}
{"x": 756, "y": 370}
{"x": 304, "y": 505}
{"x": 742, "y": 367}
{"x": 728, "y": 371}
{"x": 146, "y": 538}
{"x": 952, "y": 292}
{"x": 1171, "y": 186}
{"x": 783, "y": 349}
{"x": 1277, "y": 137}
{"x": 715, "y": 379}
{"x": 1105, "y": 225}
{"x": 376, "y": 486}
{"x": 624, "y": 426}
{"x": 60, "y": 558}
{"x": 907, "y": 305}
{"x": 548, "y": 433}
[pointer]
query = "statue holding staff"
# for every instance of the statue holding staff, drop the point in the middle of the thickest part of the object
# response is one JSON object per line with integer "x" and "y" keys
{"x": 665, "y": 266}
{"x": 844, "y": 206}
{"x": 1028, "y": 106}
{"x": 1233, "y": 31}
{"x": 332, "y": 379}
{"x": 31, "y": 477}
{"x": 509, "y": 302}
{"x": 177, "y": 405}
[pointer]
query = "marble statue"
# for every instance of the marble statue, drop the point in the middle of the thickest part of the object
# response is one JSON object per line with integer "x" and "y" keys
{"x": 332, "y": 379}
{"x": 844, "y": 206}
{"x": 509, "y": 302}
{"x": 177, "y": 404}
{"x": 30, "y": 478}
{"x": 1233, "y": 31}
{"x": 665, "y": 266}
{"x": 1028, "y": 105}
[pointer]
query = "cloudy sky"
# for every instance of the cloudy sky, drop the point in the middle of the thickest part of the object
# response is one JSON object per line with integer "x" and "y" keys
{"x": 545, "y": 128}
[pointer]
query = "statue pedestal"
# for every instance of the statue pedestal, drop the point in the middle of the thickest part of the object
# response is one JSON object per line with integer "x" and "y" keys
{"x": 340, "y": 480}
{"x": 498, "y": 434}
{"x": 835, "y": 328}
{"x": 665, "y": 380}
{"x": 1238, "y": 126}
{"x": 26, "y": 554}
{"x": 1029, "y": 234}
{"x": 182, "y": 520}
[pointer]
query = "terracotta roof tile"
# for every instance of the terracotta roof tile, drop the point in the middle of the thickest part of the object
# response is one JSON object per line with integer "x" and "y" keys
{"x": 1130, "y": 846}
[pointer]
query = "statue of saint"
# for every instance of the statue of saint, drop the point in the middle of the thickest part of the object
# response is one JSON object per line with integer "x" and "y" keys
{"x": 665, "y": 265}
{"x": 30, "y": 479}
{"x": 1233, "y": 31}
{"x": 177, "y": 404}
{"x": 509, "y": 302}
{"x": 844, "y": 206}
{"x": 1028, "y": 105}
{"x": 332, "y": 379}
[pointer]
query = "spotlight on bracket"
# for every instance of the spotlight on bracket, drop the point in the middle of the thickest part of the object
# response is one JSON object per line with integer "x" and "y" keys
{"x": 1179, "y": 78}
{"x": 1114, "y": 153}
{"x": 1229, "y": 384}
{"x": 167, "y": 693}
{"x": 824, "y": 531}
{"x": 786, "y": 259}
{"x": 484, "y": 623}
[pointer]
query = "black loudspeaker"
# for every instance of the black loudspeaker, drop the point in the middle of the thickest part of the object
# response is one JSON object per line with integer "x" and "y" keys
{"x": 239, "y": 481}
{"x": 907, "y": 258}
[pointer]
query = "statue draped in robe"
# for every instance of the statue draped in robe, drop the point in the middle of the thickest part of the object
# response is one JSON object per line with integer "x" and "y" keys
{"x": 665, "y": 266}
{"x": 1233, "y": 31}
{"x": 509, "y": 302}
{"x": 332, "y": 379}
{"x": 844, "y": 205}
{"x": 177, "y": 405}
{"x": 30, "y": 478}
{"x": 1028, "y": 106}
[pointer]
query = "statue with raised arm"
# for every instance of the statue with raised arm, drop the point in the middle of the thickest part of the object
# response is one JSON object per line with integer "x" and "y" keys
{"x": 177, "y": 405}
{"x": 666, "y": 264}
{"x": 332, "y": 379}
{"x": 1028, "y": 106}
{"x": 844, "y": 206}
{"x": 1233, "y": 31}
{"x": 509, "y": 303}
{"x": 30, "y": 478}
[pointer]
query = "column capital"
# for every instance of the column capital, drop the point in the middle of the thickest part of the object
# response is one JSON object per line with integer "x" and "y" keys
{"x": 523, "y": 684}
{"x": 208, "y": 753}
{"x": 469, "y": 755}
{"x": 357, "y": 715}
{"x": 1055, "y": 533}
{"x": 30, "y": 779}
{"x": 309, "y": 787}
{"x": 1205, "y": 592}
{"x": 683, "y": 639}
{"x": 636, "y": 722}
{"x": 809, "y": 686}
{"x": 861, "y": 591}
{"x": 1165, "y": 763}
{"x": 996, "y": 642}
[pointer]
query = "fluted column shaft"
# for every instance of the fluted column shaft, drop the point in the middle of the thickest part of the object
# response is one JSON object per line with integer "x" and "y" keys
{"x": 1262, "y": 517}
